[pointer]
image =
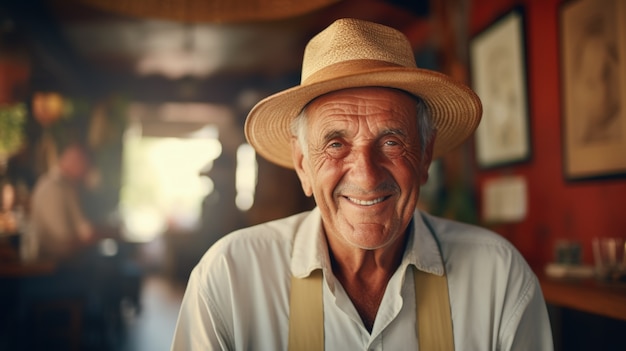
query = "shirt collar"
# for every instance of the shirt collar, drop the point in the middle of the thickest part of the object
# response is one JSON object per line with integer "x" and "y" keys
{"x": 422, "y": 250}
{"x": 310, "y": 249}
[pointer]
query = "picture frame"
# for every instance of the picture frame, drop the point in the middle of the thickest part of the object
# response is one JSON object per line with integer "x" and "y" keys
{"x": 498, "y": 75}
{"x": 593, "y": 88}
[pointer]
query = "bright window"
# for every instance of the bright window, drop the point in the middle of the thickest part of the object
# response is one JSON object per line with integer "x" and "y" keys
{"x": 161, "y": 186}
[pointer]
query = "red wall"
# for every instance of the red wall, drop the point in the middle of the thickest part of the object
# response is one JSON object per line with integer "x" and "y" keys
{"x": 557, "y": 208}
{"x": 14, "y": 76}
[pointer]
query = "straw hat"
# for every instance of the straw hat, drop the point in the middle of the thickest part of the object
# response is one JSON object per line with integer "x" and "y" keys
{"x": 354, "y": 53}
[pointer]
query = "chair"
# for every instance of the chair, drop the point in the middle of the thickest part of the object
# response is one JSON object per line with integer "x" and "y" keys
{"x": 57, "y": 324}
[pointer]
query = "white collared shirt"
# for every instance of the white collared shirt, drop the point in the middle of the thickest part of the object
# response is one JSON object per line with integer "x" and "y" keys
{"x": 237, "y": 297}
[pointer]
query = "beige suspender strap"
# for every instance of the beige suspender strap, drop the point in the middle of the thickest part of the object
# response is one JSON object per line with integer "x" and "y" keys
{"x": 306, "y": 313}
{"x": 434, "y": 323}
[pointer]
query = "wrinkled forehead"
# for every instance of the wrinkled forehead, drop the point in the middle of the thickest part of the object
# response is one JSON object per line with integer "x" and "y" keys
{"x": 364, "y": 111}
{"x": 376, "y": 102}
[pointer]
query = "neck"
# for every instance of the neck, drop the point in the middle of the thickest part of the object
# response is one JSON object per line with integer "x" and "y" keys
{"x": 364, "y": 275}
{"x": 354, "y": 262}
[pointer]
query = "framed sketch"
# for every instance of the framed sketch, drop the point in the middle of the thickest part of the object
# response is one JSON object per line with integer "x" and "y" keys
{"x": 593, "y": 85}
{"x": 498, "y": 72}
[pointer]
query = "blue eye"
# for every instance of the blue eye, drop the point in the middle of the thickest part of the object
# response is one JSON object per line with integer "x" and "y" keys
{"x": 337, "y": 149}
{"x": 392, "y": 147}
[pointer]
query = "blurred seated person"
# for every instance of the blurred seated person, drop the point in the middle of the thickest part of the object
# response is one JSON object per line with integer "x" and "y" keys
{"x": 8, "y": 223}
{"x": 58, "y": 220}
{"x": 8, "y": 220}
{"x": 89, "y": 269}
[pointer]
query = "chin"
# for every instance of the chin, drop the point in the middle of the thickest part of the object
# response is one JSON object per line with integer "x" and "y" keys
{"x": 370, "y": 238}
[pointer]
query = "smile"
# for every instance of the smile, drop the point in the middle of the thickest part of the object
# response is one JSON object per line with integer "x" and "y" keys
{"x": 366, "y": 202}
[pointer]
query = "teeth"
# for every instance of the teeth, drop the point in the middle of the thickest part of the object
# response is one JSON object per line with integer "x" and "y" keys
{"x": 365, "y": 202}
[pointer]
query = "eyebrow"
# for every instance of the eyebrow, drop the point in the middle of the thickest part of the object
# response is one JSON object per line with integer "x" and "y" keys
{"x": 341, "y": 133}
{"x": 393, "y": 131}
{"x": 334, "y": 134}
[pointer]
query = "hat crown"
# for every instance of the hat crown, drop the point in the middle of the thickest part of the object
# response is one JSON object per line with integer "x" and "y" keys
{"x": 353, "y": 53}
{"x": 352, "y": 39}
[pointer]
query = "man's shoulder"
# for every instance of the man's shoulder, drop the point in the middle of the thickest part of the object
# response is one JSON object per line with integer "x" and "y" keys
{"x": 479, "y": 254}
{"x": 249, "y": 259}
{"x": 451, "y": 231}
{"x": 47, "y": 182}
{"x": 472, "y": 243}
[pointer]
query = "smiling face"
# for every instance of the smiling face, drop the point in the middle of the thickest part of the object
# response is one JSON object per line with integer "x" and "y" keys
{"x": 364, "y": 164}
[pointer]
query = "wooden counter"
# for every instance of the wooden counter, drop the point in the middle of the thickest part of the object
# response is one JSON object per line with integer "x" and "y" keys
{"x": 588, "y": 295}
{"x": 17, "y": 269}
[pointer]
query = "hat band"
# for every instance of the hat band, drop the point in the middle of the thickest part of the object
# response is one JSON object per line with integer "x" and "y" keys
{"x": 347, "y": 68}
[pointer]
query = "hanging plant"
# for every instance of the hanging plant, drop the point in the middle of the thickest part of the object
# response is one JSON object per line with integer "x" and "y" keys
{"x": 12, "y": 119}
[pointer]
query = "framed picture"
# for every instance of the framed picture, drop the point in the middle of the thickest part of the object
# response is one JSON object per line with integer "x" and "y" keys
{"x": 498, "y": 74}
{"x": 593, "y": 86}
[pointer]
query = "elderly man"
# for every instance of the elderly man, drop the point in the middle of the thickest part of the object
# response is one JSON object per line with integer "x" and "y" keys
{"x": 364, "y": 270}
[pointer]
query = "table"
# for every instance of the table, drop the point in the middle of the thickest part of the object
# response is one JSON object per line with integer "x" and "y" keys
{"x": 587, "y": 295}
{"x": 12, "y": 266}
{"x": 21, "y": 269}
{"x": 585, "y": 314}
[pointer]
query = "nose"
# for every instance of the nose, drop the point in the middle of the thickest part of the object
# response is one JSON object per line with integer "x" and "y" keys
{"x": 367, "y": 170}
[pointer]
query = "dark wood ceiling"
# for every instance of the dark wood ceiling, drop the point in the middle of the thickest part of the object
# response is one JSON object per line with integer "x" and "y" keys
{"x": 79, "y": 49}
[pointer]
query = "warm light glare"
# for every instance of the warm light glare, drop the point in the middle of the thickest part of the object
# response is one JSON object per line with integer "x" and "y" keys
{"x": 162, "y": 189}
{"x": 47, "y": 107}
{"x": 246, "y": 177}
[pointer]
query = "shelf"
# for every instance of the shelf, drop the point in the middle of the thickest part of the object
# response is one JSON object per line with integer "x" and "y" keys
{"x": 586, "y": 295}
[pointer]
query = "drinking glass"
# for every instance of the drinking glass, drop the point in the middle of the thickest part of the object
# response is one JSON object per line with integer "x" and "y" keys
{"x": 610, "y": 262}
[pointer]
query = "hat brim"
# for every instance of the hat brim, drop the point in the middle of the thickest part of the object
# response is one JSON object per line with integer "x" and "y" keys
{"x": 455, "y": 109}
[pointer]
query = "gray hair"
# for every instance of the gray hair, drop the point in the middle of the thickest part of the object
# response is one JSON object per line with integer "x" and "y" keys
{"x": 425, "y": 125}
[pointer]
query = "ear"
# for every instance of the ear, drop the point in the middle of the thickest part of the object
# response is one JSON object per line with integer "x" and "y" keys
{"x": 427, "y": 159}
{"x": 300, "y": 166}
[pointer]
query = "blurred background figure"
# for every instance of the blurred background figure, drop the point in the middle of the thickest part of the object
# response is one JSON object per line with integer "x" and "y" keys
{"x": 59, "y": 223}
{"x": 91, "y": 276}
{"x": 220, "y": 214}
{"x": 8, "y": 220}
